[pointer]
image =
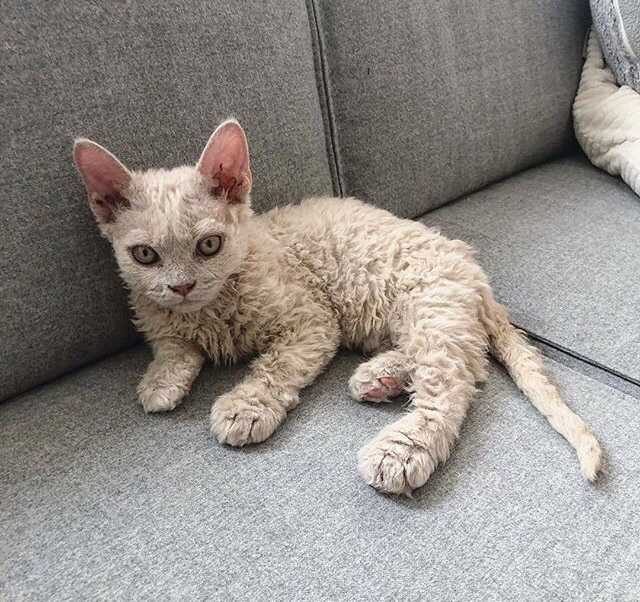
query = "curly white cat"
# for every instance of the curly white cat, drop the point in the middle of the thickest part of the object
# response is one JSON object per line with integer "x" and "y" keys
{"x": 208, "y": 278}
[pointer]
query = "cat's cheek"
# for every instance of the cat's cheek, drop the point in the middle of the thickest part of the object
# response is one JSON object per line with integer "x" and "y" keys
{"x": 134, "y": 278}
{"x": 122, "y": 258}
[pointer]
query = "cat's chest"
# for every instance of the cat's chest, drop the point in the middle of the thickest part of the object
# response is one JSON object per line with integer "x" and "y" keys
{"x": 224, "y": 340}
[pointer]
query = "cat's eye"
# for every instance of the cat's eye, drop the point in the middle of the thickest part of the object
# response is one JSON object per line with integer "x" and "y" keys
{"x": 209, "y": 246}
{"x": 144, "y": 254}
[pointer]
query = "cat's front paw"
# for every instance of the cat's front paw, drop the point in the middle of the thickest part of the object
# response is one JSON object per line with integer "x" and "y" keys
{"x": 238, "y": 420}
{"x": 160, "y": 399}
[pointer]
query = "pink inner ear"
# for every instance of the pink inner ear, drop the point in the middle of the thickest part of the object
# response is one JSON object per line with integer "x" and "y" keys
{"x": 225, "y": 161}
{"x": 103, "y": 174}
{"x": 104, "y": 177}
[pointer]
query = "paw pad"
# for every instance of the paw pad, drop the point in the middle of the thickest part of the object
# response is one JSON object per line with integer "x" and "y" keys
{"x": 385, "y": 388}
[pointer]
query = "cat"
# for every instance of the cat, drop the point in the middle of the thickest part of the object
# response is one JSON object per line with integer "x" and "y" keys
{"x": 208, "y": 278}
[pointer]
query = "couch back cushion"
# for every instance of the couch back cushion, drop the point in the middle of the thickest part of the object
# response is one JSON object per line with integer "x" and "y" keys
{"x": 430, "y": 99}
{"x": 150, "y": 81}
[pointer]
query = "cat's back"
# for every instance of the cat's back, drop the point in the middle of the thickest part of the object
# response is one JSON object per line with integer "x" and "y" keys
{"x": 335, "y": 220}
{"x": 360, "y": 255}
{"x": 351, "y": 232}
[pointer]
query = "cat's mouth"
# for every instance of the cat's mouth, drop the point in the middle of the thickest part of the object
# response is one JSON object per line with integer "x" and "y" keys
{"x": 179, "y": 304}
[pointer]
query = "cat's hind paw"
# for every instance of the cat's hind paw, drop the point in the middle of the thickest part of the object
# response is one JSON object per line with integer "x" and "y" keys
{"x": 381, "y": 378}
{"x": 237, "y": 421}
{"x": 384, "y": 388}
{"x": 395, "y": 463}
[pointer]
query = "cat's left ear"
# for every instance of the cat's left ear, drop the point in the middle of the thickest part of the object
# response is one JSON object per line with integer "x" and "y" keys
{"x": 225, "y": 162}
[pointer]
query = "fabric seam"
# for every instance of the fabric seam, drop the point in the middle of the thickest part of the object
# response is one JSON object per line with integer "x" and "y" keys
{"x": 581, "y": 358}
{"x": 322, "y": 77}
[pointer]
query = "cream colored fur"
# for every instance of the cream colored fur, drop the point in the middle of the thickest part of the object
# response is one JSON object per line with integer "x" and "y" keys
{"x": 607, "y": 119}
{"x": 300, "y": 281}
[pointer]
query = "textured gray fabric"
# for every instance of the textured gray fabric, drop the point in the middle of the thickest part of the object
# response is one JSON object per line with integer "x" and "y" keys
{"x": 631, "y": 19}
{"x": 434, "y": 99}
{"x": 590, "y": 370}
{"x": 150, "y": 81}
{"x": 98, "y": 501}
{"x": 560, "y": 244}
{"x": 617, "y": 23}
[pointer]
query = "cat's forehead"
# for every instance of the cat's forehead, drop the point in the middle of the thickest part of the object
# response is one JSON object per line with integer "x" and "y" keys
{"x": 170, "y": 202}
{"x": 165, "y": 186}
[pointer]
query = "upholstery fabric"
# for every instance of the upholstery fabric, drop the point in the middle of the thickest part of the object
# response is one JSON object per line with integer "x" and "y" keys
{"x": 150, "y": 81}
{"x": 432, "y": 99}
{"x": 99, "y": 501}
{"x": 618, "y": 25}
{"x": 631, "y": 19}
{"x": 560, "y": 244}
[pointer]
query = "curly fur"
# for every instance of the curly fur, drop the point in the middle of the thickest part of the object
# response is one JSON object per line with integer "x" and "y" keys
{"x": 291, "y": 286}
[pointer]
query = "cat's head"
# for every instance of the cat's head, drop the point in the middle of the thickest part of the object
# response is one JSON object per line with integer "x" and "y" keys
{"x": 177, "y": 234}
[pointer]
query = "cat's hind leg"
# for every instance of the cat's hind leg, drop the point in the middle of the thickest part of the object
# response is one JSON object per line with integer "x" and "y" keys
{"x": 447, "y": 345}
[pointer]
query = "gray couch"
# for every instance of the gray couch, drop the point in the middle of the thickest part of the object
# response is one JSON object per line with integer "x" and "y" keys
{"x": 454, "y": 113}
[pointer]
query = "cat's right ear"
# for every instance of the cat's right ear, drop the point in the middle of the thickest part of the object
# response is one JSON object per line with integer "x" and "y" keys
{"x": 225, "y": 162}
{"x": 105, "y": 179}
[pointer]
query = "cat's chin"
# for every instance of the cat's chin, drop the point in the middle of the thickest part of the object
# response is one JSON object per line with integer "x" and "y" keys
{"x": 187, "y": 307}
{"x": 184, "y": 307}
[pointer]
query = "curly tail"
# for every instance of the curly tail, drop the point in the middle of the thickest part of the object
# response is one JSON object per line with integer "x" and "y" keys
{"x": 524, "y": 363}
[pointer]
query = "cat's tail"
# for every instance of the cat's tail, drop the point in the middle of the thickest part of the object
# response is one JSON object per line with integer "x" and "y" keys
{"x": 524, "y": 363}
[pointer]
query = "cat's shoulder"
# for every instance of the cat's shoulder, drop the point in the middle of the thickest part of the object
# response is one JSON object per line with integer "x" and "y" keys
{"x": 321, "y": 209}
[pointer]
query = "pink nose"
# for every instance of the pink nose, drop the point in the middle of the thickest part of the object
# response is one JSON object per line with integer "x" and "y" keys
{"x": 183, "y": 289}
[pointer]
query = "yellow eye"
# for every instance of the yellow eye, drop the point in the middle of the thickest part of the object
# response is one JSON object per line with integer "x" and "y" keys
{"x": 144, "y": 254}
{"x": 209, "y": 246}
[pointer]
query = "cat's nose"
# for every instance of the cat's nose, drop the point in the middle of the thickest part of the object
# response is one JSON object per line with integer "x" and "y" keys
{"x": 183, "y": 289}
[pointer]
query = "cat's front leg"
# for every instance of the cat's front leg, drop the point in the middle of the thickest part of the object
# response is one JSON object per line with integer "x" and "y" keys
{"x": 169, "y": 377}
{"x": 252, "y": 410}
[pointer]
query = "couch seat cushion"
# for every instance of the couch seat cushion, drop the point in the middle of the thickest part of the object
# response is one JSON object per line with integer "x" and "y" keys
{"x": 100, "y": 501}
{"x": 561, "y": 244}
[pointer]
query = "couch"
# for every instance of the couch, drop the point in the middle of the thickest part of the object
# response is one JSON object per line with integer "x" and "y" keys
{"x": 457, "y": 114}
